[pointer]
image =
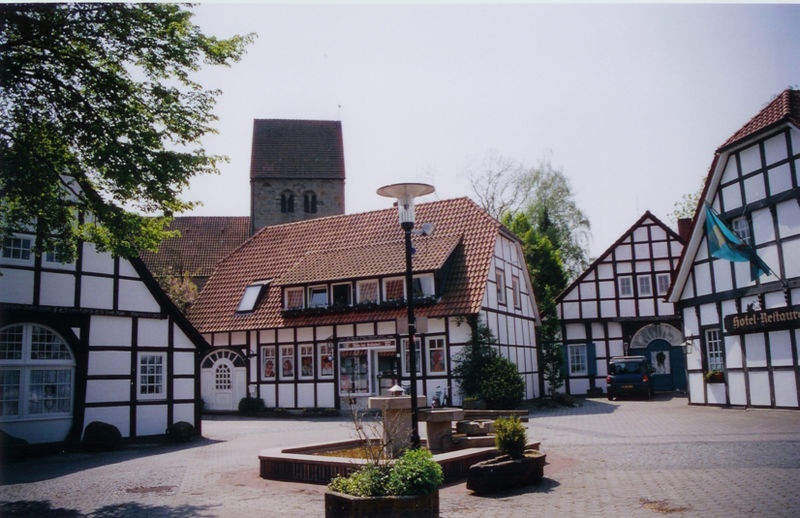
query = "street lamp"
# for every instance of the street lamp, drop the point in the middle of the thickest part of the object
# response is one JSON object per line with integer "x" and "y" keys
{"x": 405, "y": 194}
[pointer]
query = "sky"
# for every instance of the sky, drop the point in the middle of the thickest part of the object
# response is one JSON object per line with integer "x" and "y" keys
{"x": 630, "y": 101}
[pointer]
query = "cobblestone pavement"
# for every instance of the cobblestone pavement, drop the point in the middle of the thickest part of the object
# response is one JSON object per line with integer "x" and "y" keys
{"x": 616, "y": 459}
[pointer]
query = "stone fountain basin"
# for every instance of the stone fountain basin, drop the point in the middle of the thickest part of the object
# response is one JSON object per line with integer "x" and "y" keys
{"x": 306, "y": 464}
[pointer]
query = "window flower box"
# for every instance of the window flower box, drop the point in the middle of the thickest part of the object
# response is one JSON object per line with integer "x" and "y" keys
{"x": 715, "y": 376}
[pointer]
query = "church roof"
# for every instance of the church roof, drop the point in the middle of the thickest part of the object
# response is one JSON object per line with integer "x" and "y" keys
{"x": 297, "y": 149}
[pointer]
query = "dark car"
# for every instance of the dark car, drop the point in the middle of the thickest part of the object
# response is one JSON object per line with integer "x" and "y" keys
{"x": 629, "y": 375}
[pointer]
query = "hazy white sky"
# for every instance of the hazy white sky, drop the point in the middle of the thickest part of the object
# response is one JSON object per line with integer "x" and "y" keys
{"x": 630, "y": 101}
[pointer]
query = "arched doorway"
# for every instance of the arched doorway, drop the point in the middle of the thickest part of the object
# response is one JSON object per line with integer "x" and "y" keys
{"x": 223, "y": 380}
{"x": 662, "y": 345}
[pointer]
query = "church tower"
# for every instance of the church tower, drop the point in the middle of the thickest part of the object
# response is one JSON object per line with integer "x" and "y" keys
{"x": 296, "y": 171}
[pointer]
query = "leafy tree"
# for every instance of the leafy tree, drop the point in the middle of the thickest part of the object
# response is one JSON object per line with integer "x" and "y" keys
{"x": 687, "y": 205}
{"x": 180, "y": 288}
{"x": 101, "y": 120}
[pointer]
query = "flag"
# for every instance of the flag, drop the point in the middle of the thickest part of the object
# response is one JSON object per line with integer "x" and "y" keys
{"x": 724, "y": 244}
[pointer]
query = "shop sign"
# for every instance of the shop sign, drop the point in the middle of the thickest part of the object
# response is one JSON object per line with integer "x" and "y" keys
{"x": 763, "y": 320}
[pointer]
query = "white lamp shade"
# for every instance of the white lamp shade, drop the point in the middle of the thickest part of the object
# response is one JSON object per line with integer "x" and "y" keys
{"x": 405, "y": 194}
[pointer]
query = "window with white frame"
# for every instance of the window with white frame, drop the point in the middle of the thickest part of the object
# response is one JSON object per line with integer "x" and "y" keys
{"x": 222, "y": 376}
{"x": 663, "y": 280}
{"x": 645, "y": 286}
{"x": 394, "y": 288}
{"x": 714, "y": 350}
{"x": 437, "y": 359}
{"x": 741, "y": 227}
{"x": 287, "y": 362}
{"x": 151, "y": 376}
{"x": 577, "y": 360}
{"x": 407, "y": 357}
{"x": 625, "y": 286}
{"x": 367, "y": 291}
{"x": 422, "y": 285}
{"x": 293, "y": 298}
{"x": 307, "y": 361}
{"x": 500, "y": 284}
{"x": 56, "y": 258}
{"x": 325, "y": 361}
{"x": 342, "y": 294}
{"x": 268, "y": 362}
{"x": 318, "y": 296}
{"x": 36, "y": 373}
{"x": 252, "y": 294}
{"x": 17, "y": 248}
{"x": 515, "y": 291}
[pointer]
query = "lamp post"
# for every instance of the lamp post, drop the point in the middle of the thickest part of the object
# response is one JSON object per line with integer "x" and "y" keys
{"x": 405, "y": 194}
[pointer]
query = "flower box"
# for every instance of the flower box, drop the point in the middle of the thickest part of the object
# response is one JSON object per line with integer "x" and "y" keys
{"x": 503, "y": 472}
{"x": 338, "y": 505}
{"x": 715, "y": 377}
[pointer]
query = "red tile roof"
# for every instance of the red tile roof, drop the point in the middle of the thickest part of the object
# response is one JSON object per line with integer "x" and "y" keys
{"x": 204, "y": 242}
{"x": 291, "y": 252}
{"x": 297, "y": 149}
{"x": 785, "y": 107}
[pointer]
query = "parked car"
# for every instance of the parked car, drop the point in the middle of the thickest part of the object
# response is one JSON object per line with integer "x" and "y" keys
{"x": 629, "y": 375}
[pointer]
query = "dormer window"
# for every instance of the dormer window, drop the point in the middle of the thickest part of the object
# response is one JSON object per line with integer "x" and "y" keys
{"x": 394, "y": 289}
{"x": 423, "y": 286}
{"x": 293, "y": 298}
{"x": 318, "y": 296}
{"x": 252, "y": 295}
{"x": 367, "y": 291}
{"x": 342, "y": 294}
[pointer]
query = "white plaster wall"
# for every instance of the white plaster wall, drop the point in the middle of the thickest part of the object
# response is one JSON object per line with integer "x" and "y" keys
{"x": 570, "y": 310}
{"x": 135, "y": 296}
{"x": 788, "y": 218}
{"x": 736, "y": 390}
{"x": 94, "y": 261}
{"x": 58, "y": 289}
{"x": 183, "y": 388}
{"x": 608, "y": 309}
{"x": 792, "y": 249}
{"x": 305, "y": 395}
{"x": 627, "y": 308}
{"x": 775, "y": 149}
{"x": 665, "y": 308}
{"x": 702, "y": 278}
{"x": 39, "y": 431}
{"x": 114, "y": 331}
{"x": 268, "y": 395}
{"x": 722, "y": 275}
{"x": 342, "y": 331}
{"x": 750, "y": 159}
{"x": 126, "y": 269}
{"x": 180, "y": 340}
{"x": 578, "y": 386}
{"x": 763, "y": 229}
{"x": 153, "y": 332}
{"x": 780, "y": 179}
{"x": 119, "y": 416}
{"x": 646, "y": 308}
{"x": 588, "y": 290}
{"x": 459, "y": 332}
{"x": 708, "y": 314}
{"x": 715, "y": 392}
{"x": 742, "y": 273}
{"x": 109, "y": 363}
{"x": 267, "y": 336}
{"x": 183, "y": 412}
{"x": 108, "y": 391}
{"x": 733, "y": 351}
{"x": 624, "y": 267}
{"x": 759, "y": 388}
{"x": 755, "y": 351}
{"x": 589, "y": 309}
{"x": 151, "y": 419}
{"x": 785, "y": 388}
{"x": 305, "y": 334}
{"x": 387, "y": 327}
{"x": 97, "y": 292}
{"x": 183, "y": 362}
{"x": 325, "y": 395}
{"x": 696, "y": 390}
{"x": 238, "y": 338}
{"x": 16, "y": 286}
{"x": 731, "y": 172}
{"x": 694, "y": 359}
{"x": 774, "y": 299}
{"x": 286, "y": 395}
{"x": 575, "y": 331}
{"x": 615, "y": 348}
{"x": 220, "y": 339}
{"x": 780, "y": 348}
{"x": 732, "y": 196}
{"x": 754, "y": 189}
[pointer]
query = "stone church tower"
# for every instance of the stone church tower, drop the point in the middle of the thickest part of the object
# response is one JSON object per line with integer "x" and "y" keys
{"x": 296, "y": 171}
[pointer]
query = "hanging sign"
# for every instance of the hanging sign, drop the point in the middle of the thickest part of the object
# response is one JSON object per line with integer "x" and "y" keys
{"x": 763, "y": 320}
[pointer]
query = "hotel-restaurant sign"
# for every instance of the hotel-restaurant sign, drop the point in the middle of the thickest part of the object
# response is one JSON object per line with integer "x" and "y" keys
{"x": 763, "y": 320}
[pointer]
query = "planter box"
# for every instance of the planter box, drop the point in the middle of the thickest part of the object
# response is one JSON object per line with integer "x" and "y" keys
{"x": 504, "y": 472}
{"x": 716, "y": 378}
{"x": 338, "y": 505}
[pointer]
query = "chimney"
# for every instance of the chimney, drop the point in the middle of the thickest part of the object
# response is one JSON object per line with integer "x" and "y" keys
{"x": 684, "y": 228}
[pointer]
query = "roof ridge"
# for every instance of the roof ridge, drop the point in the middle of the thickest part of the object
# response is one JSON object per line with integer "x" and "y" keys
{"x": 781, "y": 105}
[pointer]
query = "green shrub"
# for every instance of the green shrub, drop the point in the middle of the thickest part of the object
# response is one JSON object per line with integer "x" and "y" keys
{"x": 511, "y": 437}
{"x": 501, "y": 386}
{"x": 415, "y": 473}
{"x": 371, "y": 480}
{"x": 251, "y": 405}
{"x": 180, "y": 432}
{"x": 100, "y": 436}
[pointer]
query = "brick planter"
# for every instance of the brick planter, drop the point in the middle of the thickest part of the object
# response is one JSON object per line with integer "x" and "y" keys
{"x": 338, "y": 505}
{"x": 504, "y": 472}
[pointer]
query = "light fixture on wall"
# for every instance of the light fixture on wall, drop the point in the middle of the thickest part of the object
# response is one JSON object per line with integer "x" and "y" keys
{"x": 405, "y": 194}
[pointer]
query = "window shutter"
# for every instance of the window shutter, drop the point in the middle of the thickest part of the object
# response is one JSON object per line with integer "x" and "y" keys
{"x": 564, "y": 361}
{"x": 591, "y": 360}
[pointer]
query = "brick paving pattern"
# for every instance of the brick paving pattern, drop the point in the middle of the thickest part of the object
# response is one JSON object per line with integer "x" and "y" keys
{"x": 622, "y": 458}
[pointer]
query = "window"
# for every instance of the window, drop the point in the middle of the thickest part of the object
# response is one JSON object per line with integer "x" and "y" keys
{"x": 252, "y": 294}
{"x": 310, "y": 202}
{"x": 287, "y": 202}
{"x": 268, "y": 362}
{"x": 394, "y": 289}
{"x": 222, "y": 377}
{"x": 625, "y": 287}
{"x": 645, "y": 288}
{"x": 663, "y": 280}
{"x": 151, "y": 375}
{"x": 318, "y": 297}
{"x": 36, "y": 373}
{"x": 577, "y": 360}
{"x": 437, "y": 360}
{"x": 294, "y": 298}
{"x": 367, "y": 291}
{"x": 714, "y": 351}
{"x": 287, "y": 362}
{"x": 56, "y": 258}
{"x": 741, "y": 228}
{"x": 325, "y": 361}
{"x": 500, "y": 281}
{"x": 342, "y": 294}
{"x": 307, "y": 361}
{"x": 17, "y": 248}
{"x": 422, "y": 286}
{"x": 515, "y": 292}
{"x": 407, "y": 357}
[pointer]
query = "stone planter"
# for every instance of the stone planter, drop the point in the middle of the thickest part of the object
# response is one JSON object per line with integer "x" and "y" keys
{"x": 504, "y": 472}
{"x": 338, "y": 505}
{"x": 473, "y": 404}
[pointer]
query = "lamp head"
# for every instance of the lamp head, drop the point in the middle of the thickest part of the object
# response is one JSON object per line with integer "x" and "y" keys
{"x": 405, "y": 194}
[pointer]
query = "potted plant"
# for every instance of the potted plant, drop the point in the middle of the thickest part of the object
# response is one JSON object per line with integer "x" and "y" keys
{"x": 715, "y": 376}
{"x": 515, "y": 466}
{"x": 407, "y": 487}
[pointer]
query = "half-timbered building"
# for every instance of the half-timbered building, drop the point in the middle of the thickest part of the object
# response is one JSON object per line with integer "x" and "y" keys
{"x": 617, "y": 306}
{"x": 745, "y": 333}
{"x": 310, "y": 314}
{"x": 94, "y": 339}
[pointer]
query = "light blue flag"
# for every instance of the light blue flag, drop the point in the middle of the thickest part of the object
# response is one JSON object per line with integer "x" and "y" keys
{"x": 725, "y": 244}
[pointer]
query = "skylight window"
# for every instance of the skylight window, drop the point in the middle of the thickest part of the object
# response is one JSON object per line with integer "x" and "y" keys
{"x": 252, "y": 294}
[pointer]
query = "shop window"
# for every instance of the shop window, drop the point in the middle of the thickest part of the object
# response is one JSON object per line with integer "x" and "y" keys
{"x": 307, "y": 361}
{"x": 325, "y": 361}
{"x": 268, "y": 362}
{"x": 287, "y": 362}
{"x": 354, "y": 371}
{"x": 437, "y": 356}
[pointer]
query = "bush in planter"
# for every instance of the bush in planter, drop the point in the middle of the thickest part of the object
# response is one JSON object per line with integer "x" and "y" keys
{"x": 510, "y": 437}
{"x": 180, "y": 432}
{"x": 100, "y": 436}
{"x": 251, "y": 405}
{"x": 415, "y": 473}
{"x": 371, "y": 480}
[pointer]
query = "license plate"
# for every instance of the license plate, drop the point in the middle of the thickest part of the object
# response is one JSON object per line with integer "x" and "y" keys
{"x": 627, "y": 386}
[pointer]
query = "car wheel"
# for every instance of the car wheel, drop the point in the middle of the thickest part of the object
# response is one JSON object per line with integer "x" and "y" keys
{"x": 610, "y": 396}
